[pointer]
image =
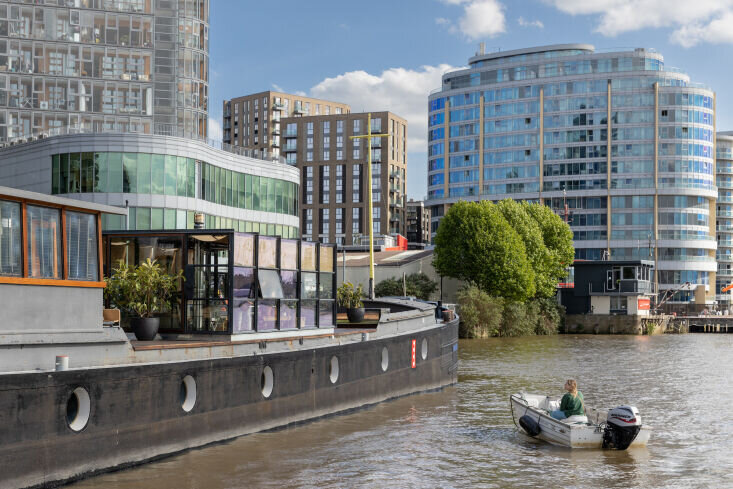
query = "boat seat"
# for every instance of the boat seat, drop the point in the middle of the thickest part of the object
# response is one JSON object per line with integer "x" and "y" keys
{"x": 578, "y": 418}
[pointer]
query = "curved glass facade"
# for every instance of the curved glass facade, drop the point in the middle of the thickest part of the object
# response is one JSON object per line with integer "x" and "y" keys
{"x": 625, "y": 144}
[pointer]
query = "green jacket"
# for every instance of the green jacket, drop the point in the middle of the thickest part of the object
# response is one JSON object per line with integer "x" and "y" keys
{"x": 572, "y": 405}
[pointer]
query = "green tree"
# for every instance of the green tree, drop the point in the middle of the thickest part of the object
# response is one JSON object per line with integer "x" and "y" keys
{"x": 558, "y": 239}
{"x": 519, "y": 218}
{"x": 476, "y": 243}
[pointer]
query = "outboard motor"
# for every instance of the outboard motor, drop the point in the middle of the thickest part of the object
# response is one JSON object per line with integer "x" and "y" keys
{"x": 622, "y": 427}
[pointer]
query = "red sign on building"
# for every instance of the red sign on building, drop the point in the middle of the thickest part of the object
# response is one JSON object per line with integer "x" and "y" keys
{"x": 643, "y": 304}
{"x": 414, "y": 348}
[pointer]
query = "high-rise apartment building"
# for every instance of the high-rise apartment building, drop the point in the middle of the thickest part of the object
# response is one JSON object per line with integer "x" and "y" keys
{"x": 418, "y": 222}
{"x": 136, "y": 66}
{"x": 254, "y": 121}
{"x": 626, "y": 143}
{"x": 333, "y": 166}
{"x": 724, "y": 215}
{"x": 107, "y": 101}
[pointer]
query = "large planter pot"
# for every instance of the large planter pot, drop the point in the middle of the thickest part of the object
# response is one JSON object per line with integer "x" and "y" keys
{"x": 355, "y": 315}
{"x": 145, "y": 329}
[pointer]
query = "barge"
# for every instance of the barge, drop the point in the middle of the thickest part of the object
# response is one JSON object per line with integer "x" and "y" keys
{"x": 256, "y": 343}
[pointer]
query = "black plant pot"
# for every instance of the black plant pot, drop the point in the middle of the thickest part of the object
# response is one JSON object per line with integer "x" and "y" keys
{"x": 145, "y": 329}
{"x": 355, "y": 315}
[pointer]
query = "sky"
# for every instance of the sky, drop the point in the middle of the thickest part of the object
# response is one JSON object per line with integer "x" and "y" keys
{"x": 389, "y": 54}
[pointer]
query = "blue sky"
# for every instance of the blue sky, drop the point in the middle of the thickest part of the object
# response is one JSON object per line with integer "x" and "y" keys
{"x": 388, "y": 55}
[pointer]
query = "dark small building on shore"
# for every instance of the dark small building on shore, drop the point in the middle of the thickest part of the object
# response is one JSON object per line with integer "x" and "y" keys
{"x": 610, "y": 287}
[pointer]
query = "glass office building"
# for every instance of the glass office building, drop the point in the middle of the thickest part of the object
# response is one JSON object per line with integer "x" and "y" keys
{"x": 724, "y": 215}
{"x": 137, "y": 66}
{"x": 626, "y": 143}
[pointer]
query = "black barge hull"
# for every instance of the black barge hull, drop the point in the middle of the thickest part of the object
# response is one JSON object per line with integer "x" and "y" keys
{"x": 136, "y": 412}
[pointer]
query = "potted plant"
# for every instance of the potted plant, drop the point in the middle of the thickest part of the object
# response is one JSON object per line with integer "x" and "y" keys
{"x": 142, "y": 292}
{"x": 349, "y": 297}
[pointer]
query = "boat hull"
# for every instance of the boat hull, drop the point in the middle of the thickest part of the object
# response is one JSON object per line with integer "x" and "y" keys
{"x": 570, "y": 435}
{"x": 137, "y": 413}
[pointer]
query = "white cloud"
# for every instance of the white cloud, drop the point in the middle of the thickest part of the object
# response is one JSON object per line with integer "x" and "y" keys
{"x": 694, "y": 21}
{"x": 398, "y": 90}
{"x": 480, "y": 19}
{"x": 215, "y": 131}
{"x": 530, "y": 23}
{"x": 277, "y": 87}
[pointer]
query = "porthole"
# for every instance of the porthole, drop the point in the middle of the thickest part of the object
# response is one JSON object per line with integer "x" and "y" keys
{"x": 188, "y": 393}
{"x": 424, "y": 349}
{"x": 78, "y": 407}
{"x": 267, "y": 382}
{"x": 333, "y": 370}
{"x": 385, "y": 359}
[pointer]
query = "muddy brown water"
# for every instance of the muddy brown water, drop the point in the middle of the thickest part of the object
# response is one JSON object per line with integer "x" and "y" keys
{"x": 463, "y": 436}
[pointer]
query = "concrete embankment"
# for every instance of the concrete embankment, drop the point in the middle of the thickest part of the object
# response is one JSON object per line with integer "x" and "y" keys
{"x": 618, "y": 324}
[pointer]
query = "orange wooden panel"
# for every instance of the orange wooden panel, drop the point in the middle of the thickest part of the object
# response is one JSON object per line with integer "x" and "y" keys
{"x": 24, "y": 238}
{"x": 51, "y": 282}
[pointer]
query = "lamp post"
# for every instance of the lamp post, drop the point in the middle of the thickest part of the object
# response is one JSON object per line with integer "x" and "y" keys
{"x": 368, "y": 136}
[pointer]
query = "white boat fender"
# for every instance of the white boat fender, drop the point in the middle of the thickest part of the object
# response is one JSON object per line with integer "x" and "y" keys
{"x": 530, "y": 425}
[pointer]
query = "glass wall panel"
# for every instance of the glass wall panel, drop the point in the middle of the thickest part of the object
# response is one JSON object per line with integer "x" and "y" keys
{"x": 171, "y": 171}
{"x": 87, "y": 172}
{"x": 325, "y": 313}
{"x": 288, "y": 314}
{"x": 288, "y": 255}
{"x": 326, "y": 256}
{"x": 289, "y": 279}
{"x": 156, "y": 218}
{"x": 325, "y": 286}
{"x": 308, "y": 256}
{"x": 143, "y": 173}
{"x": 266, "y": 314}
{"x": 100, "y": 172}
{"x": 267, "y": 252}
{"x": 244, "y": 249}
{"x": 10, "y": 242}
{"x": 158, "y": 174}
{"x": 114, "y": 172}
{"x": 270, "y": 286}
{"x": 243, "y": 311}
{"x": 81, "y": 246}
{"x": 129, "y": 173}
{"x": 308, "y": 285}
{"x": 44, "y": 242}
{"x": 182, "y": 176}
{"x": 308, "y": 313}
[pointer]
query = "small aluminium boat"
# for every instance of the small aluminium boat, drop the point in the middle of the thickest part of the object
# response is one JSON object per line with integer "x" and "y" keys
{"x": 618, "y": 428}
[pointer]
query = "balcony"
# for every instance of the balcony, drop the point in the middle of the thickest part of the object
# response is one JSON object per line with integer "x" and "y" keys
{"x": 290, "y": 149}
{"x": 376, "y": 143}
{"x": 278, "y": 106}
{"x": 395, "y": 174}
{"x": 299, "y": 111}
{"x": 725, "y": 170}
{"x": 276, "y": 130}
{"x": 624, "y": 287}
{"x": 291, "y": 134}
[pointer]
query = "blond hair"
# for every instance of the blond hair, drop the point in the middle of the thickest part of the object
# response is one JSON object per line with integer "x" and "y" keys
{"x": 573, "y": 385}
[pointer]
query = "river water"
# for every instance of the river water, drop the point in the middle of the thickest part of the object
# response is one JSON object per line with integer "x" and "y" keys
{"x": 463, "y": 436}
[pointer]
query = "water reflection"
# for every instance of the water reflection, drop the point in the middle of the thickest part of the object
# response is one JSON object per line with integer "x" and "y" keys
{"x": 463, "y": 436}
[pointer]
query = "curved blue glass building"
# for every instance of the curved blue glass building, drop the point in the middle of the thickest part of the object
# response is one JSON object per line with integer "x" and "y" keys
{"x": 625, "y": 143}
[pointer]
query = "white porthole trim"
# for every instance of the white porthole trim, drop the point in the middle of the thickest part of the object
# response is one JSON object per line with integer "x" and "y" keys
{"x": 267, "y": 382}
{"x": 333, "y": 369}
{"x": 424, "y": 349}
{"x": 385, "y": 359}
{"x": 78, "y": 409}
{"x": 189, "y": 398}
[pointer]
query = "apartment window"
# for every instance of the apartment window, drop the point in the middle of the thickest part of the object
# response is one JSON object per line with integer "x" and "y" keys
{"x": 357, "y": 150}
{"x": 308, "y": 185}
{"x": 326, "y": 127}
{"x": 356, "y": 183}
{"x": 338, "y": 110}
{"x": 81, "y": 252}
{"x": 10, "y": 242}
{"x": 236, "y": 109}
{"x": 292, "y": 129}
{"x": 318, "y": 109}
{"x": 307, "y": 107}
{"x": 357, "y": 126}
{"x": 308, "y": 221}
{"x": 291, "y": 158}
{"x": 340, "y": 169}
{"x": 257, "y": 104}
{"x": 377, "y": 125}
{"x": 328, "y": 110}
{"x": 356, "y": 220}
{"x": 326, "y": 142}
{"x": 339, "y": 127}
{"x": 339, "y": 220}
{"x": 325, "y": 221}
{"x": 376, "y": 220}
{"x": 339, "y": 141}
{"x": 309, "y": 128}
{"x": 326, "y": 154}
{"x": 309, "y": 142}
{"x": 325, "y": 184}
{"x": 309, "y": 156}
{"x": 339, "y": 155}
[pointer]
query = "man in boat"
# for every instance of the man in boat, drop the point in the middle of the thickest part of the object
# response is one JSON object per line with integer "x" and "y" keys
{"x": 571, "y": 403}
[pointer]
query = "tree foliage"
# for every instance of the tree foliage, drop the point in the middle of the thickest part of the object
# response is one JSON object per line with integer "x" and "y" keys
{"x": 477, "y": 244}
{"x": 417, "y": 284}
{"x": 511, "y": 250}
